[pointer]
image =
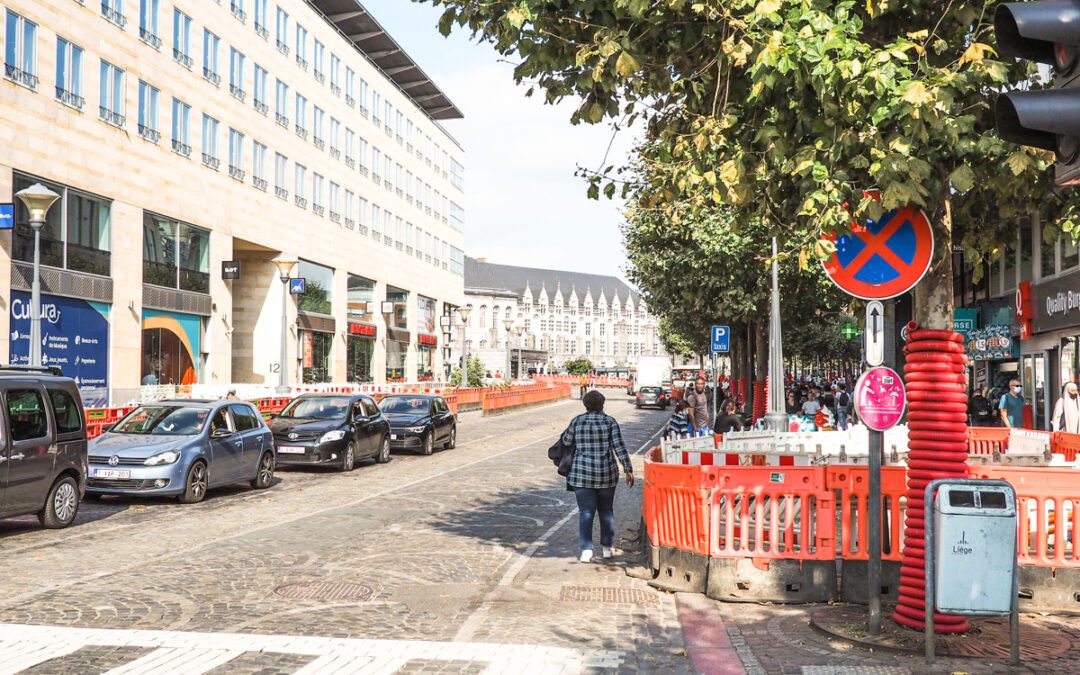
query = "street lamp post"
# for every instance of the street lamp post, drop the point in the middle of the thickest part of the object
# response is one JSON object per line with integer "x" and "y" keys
{"x": 776, "y": 418}
{"x": 463, "y": 312}
{"x": 38, "y": 199}
{"x": 285, "y": 265}
{"x": 509, "y": 323}
{"x": 521, "y": 339}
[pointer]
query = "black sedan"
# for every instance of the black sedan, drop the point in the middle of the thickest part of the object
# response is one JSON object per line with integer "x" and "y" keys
{"x": 419, "y": 421}
{"x": 331, "y": 429}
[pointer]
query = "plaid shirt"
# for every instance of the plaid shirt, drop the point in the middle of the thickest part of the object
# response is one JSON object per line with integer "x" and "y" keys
{"x": 594, "y": 436}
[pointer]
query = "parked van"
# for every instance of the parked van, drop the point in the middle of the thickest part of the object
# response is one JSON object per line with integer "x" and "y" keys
{"x": 42, "y": 445}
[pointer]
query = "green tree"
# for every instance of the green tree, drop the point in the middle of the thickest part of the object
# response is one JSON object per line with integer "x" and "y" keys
{"x": 476, "y": 373}
{"x": 579, "y": 366}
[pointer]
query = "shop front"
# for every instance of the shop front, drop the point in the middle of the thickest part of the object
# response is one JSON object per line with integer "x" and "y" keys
{"x": 1051, "y": 356}
{"x": 170, "y": 347}
{"x": 426, "y": 339}
{"x": 360, "y": 339}
{"x": 316, "y": 348}
{"x": 396, "y": 315}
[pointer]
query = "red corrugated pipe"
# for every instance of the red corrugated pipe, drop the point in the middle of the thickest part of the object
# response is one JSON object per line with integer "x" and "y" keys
{"x": 935, "y": 378}
{"x": 760, "y": 402}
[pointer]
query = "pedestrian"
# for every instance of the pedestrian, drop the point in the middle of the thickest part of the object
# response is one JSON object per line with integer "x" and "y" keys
{"x": 843, "y": 406}
{"x": 792, "y": 406}
{"x": 231, "y": 395}
{"x": 980, "y": 410}
{"x": 727, "y": 420}
{"x": 812, "y": 405}
{"x": 594, "y": 474}
{"x": 679, "y": 422}
{"x": 700, "y": 401}
{"x": 1011, "y": 406}
{"x": 1067, "y": 410}
{"x": 583, "y": 386}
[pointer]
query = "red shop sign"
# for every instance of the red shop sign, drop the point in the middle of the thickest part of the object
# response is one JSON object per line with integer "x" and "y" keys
{"x": 427, "y": 339}
{"x": 365, "y": 329}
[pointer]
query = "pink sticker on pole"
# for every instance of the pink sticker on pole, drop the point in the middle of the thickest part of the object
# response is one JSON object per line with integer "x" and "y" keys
{"x": 880, "y": 398}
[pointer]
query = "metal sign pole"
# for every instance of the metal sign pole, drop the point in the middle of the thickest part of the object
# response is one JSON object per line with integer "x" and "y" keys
{"x": 715, "y": 392}
{"x": 873, "y": 526}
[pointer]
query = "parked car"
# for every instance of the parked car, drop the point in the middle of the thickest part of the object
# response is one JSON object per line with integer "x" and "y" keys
{"x": 182, "y": 448}
{"x": 43, "y": 462}
{"x": 419, "y": 421}
{"x": 654, "y": 396}
{"x": 337, "y": 429}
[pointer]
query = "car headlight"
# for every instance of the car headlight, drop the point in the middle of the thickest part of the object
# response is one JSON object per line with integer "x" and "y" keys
{"x": 417, "y": 430}
{"x": 167, "y": 457}
{"x": 332, "y": 436}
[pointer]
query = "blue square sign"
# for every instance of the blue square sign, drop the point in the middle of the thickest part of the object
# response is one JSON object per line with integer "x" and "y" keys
{"x": 7, "y": 216}
{"x": 297, "y": 286}
{"x": 719, "y": 341}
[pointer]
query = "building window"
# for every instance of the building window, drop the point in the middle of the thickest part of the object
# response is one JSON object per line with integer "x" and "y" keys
{"x": 258, "y": 165}
{"x": 299, "y": 180}
{"x": 76, "y": 232}
{"x": 237, "y": 9}
{"x": 361, "y": 214}
{"x": 349, "y": 208}
{"x": 457, "y": 174}
{"x": 181, "y": 38}
{"x": 113, "y": 11}
{"x": 111, "y": 102}
{"x": 335, "y": 138}
{"x": 361, "y": 298}
{"x": 350, "y": 87}
{"x": 181, "y": 135}
{"x": 211, "y": 43}
{"x": 20, "y": 59}
{"x": 362, "y": 97}
{"x": 148, "y": 23}
{"x": 400, "y": 299}
{"x": 281, "y": 164}
{"x": 388, "y": 116}
{"x": 69, "y": 73}
{"x": 350, "y": 144}
{"x": 335, "y": 74}
{"x": 457, "y": 217}
{"x": 301, "y": 116}
{"x": 363, "y": 154}
{"x": 318, "y": 56}
{"x": 260, "y": 19}
{"x": 317, "y": 117}
{"x": 376, "y": 105}
{"x": 175, "y": 254}
{"x": 301, "y": 46}
{"x": 317, "y": 203}
{"x": 317, "y": 296}
{"x": 282, "y": 30}
{"x": 333, "y": 200}
{"x": 281, "y": 102}
{"x": 209, "y": 142}
{"x": 236, "y": 73}
{"x": 148, "y": 112}
{"x": 236, "y": 154}
{"x": 260, "y": 89}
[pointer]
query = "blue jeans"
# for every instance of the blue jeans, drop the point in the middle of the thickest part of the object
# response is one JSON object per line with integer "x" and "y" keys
{"x": 590, "y": 501}
{"x": 841, "y": 417}
{"x": 701, "y": 431}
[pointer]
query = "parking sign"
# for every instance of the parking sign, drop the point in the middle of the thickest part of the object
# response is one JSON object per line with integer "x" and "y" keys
{"x": 719, "y": 342}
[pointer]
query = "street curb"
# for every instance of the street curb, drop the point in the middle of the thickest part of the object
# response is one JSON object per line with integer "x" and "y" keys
{"x": 707, "y": 643}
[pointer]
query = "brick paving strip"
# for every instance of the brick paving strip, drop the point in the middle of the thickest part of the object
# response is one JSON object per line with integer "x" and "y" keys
{"x": 707, "y": 641}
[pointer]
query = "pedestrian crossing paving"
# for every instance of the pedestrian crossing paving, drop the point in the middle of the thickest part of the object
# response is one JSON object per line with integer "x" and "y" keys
{"x": 25, "y": 646}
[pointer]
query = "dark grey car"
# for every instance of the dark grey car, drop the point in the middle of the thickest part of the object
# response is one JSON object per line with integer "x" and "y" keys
{"x": 43, "y": 446}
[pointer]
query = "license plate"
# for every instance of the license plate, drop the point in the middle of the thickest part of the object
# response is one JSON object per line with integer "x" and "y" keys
{"x": 121, "y": 474}
{"x": 291, "y": 450}
{"x": 393, "y": 437}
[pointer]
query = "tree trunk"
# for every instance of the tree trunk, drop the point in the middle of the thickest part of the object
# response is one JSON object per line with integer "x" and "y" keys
{"x": 934, "y": 294}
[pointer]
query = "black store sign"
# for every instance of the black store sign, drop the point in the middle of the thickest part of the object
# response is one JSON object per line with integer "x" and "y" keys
{"x": 230, "y": 269}
{"x": 1056, "y": 303}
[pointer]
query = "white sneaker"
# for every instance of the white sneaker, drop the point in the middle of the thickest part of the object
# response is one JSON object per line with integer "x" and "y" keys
{"x": 608, "y": 551}
{"x": 586, "y": 555}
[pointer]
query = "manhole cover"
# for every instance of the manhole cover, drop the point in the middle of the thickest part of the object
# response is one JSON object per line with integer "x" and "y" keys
{"x": 326, "y": 590}
{"x": 608, "y": 594}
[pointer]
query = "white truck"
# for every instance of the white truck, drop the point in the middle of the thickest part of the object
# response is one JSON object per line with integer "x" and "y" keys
{"x": 652, "y": 371}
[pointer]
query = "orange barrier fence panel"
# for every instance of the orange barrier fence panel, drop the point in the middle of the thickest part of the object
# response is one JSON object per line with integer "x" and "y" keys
{"x": 772, "y": 512}
{"x": 677, "y": 505}
{"x": 853, "y": 483}
{"x": 1066, "y": 444}
{"x": 987, "y": 440}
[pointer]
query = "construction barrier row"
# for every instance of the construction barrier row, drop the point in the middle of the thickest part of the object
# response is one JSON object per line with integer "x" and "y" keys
{"x": 515, "y": 397}
{"x": 576, "y": 379}
{"x": 755, "y": 533}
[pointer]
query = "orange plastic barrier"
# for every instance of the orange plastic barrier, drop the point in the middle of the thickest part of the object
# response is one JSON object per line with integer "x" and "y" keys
{"x": 1065, "y": 444}
{"x": 987, "y": 440}
{"x": 676, "y": 504}
{"x": 773, "y": 513}
{"x": 515, "y": 396}
{"x": 854, "y": 485}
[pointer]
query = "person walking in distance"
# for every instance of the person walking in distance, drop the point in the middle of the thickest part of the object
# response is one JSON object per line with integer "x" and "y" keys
{"x": 1012, "y": 405}
{"x": 583, "y": 386}
{"x": 843, "y": 405}
{"x": 1067, "y": 410}
{"x": 593, "y": 476}
{"x": 700, "y": 402}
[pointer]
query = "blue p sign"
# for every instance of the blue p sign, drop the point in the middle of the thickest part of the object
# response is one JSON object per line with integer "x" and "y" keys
{"x": 719, "y": 342}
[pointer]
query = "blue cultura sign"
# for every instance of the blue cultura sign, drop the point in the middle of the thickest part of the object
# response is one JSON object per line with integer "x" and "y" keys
{"x": 7, "y": 216}
{"x": 74, "y": 336}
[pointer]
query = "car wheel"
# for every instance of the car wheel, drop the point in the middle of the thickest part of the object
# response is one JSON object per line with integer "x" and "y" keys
{"x": 428, "y": 443}
{"x": 196, "y": 484}
{"x": 452, "y": 442}
{"x": 348, "y": 462}
{"x": 384, "y": 451}
{"x": 62, "y": 505}
{"x": 265, "y": 474}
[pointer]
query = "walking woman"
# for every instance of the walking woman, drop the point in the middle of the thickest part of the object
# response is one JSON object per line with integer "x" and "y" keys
{"x": 594, "y": 474}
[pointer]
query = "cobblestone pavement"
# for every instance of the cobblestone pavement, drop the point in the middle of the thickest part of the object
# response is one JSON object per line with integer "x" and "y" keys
{"x": 425, "y": 564}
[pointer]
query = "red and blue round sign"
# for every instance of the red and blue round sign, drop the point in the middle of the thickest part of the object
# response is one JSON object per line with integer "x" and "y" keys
{"x": 884, "y": 258}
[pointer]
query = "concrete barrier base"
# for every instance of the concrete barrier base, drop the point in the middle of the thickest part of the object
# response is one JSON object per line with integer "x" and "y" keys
{"x": 681, "y": 571}
{"x": 785, "y": 581}
{"x": 1047, "y": 589}
{"x": 523, "y": 406}
{"x": 853, "y": 586}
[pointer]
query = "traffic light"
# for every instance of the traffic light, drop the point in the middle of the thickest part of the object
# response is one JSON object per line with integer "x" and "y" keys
{"x": 1046, "y": 31}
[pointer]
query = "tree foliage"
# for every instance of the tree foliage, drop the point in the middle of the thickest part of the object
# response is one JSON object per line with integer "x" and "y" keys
{"x": 476, "y": 373}
{"x": 579, "y": 366}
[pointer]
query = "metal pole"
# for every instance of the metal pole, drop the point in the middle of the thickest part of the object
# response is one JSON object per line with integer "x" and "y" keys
{"x": 873, "y": 541}
{"x": 776, "y": 418}
{"x": 35, "y": 297}
{"x": 508, "y": 378}
{"x": 283, "y": 379}
{"x": 521, "y": 339}
{"x": 715, "y": 393}
{"x": 929, "y": 573}
{"x": 464, "y": 359}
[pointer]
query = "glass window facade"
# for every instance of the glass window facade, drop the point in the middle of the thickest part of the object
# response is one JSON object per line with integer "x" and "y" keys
{"x": 76, "y": 235}
{"x": 317, "y": 348}
{"x": 175, "y": 254}
{"x": 317, "y": 296}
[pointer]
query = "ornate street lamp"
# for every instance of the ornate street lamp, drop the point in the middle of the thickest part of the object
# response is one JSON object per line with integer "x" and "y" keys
{"x": 520, "y": 330}
{"x": 463, "y": 312}
{"x": 285, "y": 266}
{"x": 38, "y": 199}
{"x": 509, "y": 323}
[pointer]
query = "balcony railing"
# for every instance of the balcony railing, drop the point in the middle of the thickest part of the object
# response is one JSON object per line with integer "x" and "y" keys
{"x": 237, "y": 92}
{"x": 408, "y": 148}
{"x": 388, "y": 240}
{"x": 181, "y": 148}
{"x": 350, "y": 162}
{"x": 389, "y": 130}
{"x": 149, "y": 38}
{"x": 211, "y": 161}
{"x": 363, "y": 111}
{"x": 375, "y": 177}
{"x": 261, "y": 107}
{"x": 335, "y": 216}
{"x": 238, "y": 11}
{"x": 110, "y": 117}
{"x": 335, "y": 89}
{"x": 282, "y": 120}
{"x": 362, "y": 229}
{"x": 408, "y": 250}
{"x": 335, "y": 153}
{"x": 301, "y": 132}
{"x": 363, "y": 171}
{"x": 399, "y": 246}
{"x": 113, "y": 15}
{"x": 237, "y": 173}
{"x": 70, "y": 99}
{"x": 350, "y": 101}
{"x": 409, "y": 199}
{"x": 319, "y": 77}
{"x": 300, "y": 201}
{"x": 262, "y": 32}
{"x": 282, "y": 47}
{"x": 400, "y": 139}
{"x": 281, "y": 193}
{"x": 318, "y": 209}
{"x": 211, "y": 77}
{"x": 301, "y": 61}
{"x": 181, "y": 58}
{"x": 399, "y": 192}
{"x": 350, "y": 223}
{"x": 20, "y": 76}
{"x": 388, "y": 183}
{"x": 259, "y": 183}
{"x": 149, "y": 134}
{"x": 318, "y": 143}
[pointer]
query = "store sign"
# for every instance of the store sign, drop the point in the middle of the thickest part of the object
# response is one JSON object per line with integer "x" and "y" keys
{"x": 230, "y": 269}
{"x": 1055, "y": 303}
{"x": 1023, "y": 301}
{"x": 965, "y": 320}
{"x": 74, "y": 336}
{"x": 427, "y": 339}
{"x": 992, "y": 343}
{"x": 7, "y": 216}
{"x": 308, "y": 348}
{"x": 362, "y": 329}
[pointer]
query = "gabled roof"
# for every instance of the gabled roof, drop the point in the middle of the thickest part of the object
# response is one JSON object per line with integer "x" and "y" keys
{"x": 359, "y": 27}
{"x": 480, "y": 275}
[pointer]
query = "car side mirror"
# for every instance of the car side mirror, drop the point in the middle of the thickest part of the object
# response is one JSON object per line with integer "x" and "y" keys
{"x": 221, "y": 432}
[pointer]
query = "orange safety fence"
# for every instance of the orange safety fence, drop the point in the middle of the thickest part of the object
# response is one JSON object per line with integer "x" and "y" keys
{"x": 676, "y": 504}
{"x": 1066, "y": 444}
{"x": 987, "y": 440}
{"x": 853, "y": 482}
{"x": 515, "y": 396}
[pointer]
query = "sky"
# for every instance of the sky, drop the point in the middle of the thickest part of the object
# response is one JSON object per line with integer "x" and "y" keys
{"x": 523, "y": 203}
